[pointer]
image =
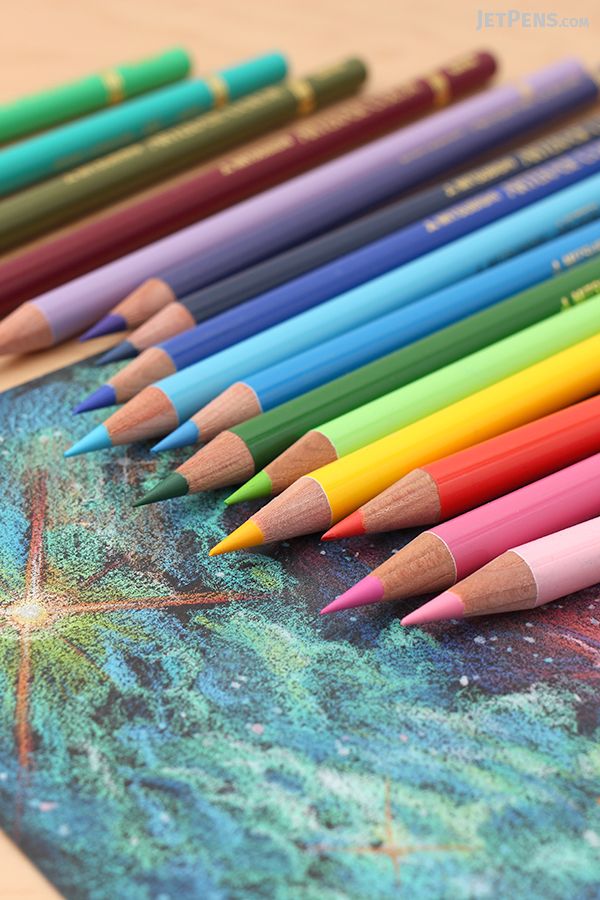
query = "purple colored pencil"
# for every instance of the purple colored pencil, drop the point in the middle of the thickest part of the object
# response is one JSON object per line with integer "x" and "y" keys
{"x": 308, "y": 204}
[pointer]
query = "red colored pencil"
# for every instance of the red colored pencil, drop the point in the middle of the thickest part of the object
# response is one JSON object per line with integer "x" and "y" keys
{"x": 234, "y": 177}
{"x": 453, "y": 484}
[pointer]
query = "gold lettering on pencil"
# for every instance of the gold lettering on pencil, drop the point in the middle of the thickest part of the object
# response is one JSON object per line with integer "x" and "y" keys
{"x": 480, "y": 177}
{"x": 585, "y": 291}
{"x": 529, "y": 181}
{"x": 575, "y": 256}
{"x": 462, "y": 211}
{"x": 100, "y": 165}
{"x": 252, "y": 155}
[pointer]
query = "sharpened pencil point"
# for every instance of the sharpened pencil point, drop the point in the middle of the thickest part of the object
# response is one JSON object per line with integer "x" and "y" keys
{"x": 183, "y": 436}
{"x": 124, "y": 350}
{"x": 104, "y": 396}
{"x": 247, "y": 535}
{"x": 256, "y": 488}
{"x": 98, "y": 439}
{"x": 108, "y": 325}
{"x": 174, "y": 485}
{"x": 351, "y": 526}
{"x": 368, "y": 590}
{"x": 445, "y": 606}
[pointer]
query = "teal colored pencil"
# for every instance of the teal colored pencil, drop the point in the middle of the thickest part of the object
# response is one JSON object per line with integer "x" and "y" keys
{"x": 70, "y": 145}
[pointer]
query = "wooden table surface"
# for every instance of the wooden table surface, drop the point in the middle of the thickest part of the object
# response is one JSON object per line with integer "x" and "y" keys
{"x": 43, "y": 42}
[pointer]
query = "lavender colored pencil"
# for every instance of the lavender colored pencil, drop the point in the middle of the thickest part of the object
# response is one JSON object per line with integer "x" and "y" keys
{"x": 307, "y": 204}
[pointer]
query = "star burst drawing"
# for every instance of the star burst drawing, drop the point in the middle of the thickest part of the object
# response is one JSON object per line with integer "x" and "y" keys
{"x": 45, "y": 601}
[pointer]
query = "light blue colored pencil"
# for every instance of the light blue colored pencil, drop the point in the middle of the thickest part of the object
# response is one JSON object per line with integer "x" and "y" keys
{"x": 285, "y": 380}
{"x": 70, "y": 145}
{"x": 159, "y": 408}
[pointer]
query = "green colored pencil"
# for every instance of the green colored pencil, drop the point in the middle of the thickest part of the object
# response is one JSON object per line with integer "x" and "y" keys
{"x": 422, "y": 377}
{"x": 45, "y": 109}
{"x": 43, "y": 207}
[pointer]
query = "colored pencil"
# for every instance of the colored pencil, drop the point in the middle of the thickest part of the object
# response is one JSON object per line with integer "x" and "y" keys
{"x": 241, "y": 174}
{"x": 522, "y": 578}
{"x": 313, "y": 330}
{"x": 453, "y": 484}
{"x": 441, "y": 556}
{"x": 413, "y": 400}
{"x": 161, "y": 407}
{"x": 322, "y": 284}
{"x": 287, "y": 440}
{"x": 382, "y": 169}
{"x": 181, "y": 314}
{"x": 268, "y": 388}
{"x": 100, "y": 182}
{"x": 52, "y": 107}
{"x": 75, "y": 143}
{"x": 245, "y": 234}
{"x": 328, "y": 494}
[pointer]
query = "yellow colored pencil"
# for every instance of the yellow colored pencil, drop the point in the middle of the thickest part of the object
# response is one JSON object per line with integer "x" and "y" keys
{"x": 326, "y": 495}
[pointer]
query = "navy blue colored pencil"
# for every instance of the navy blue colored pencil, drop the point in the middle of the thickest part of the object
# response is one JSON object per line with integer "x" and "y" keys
{"x": 342, "y": 275}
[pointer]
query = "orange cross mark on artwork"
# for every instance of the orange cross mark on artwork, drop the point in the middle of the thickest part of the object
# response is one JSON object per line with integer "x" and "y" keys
{"x": 389, "y": 846}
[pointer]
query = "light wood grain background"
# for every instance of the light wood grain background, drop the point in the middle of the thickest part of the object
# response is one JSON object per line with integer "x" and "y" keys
{"x": 50, "y": 41}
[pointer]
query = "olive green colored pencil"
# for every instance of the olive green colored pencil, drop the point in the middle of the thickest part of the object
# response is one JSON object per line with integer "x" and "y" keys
{"x": 359, "y": 408}
{"x": 43, "y": 207}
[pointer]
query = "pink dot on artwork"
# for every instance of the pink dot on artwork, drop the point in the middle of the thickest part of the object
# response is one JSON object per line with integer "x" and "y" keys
{"x": 257, "y": 728}
{"x": 47, "y": 807}
{"x": 404, "y": 738}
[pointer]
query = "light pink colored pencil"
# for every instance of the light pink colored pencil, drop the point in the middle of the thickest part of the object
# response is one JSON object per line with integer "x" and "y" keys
{"x": 523, "y": 578}
{"x": 443, "y": 555}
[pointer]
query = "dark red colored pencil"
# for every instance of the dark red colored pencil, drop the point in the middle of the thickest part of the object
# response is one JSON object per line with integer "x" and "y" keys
{"x": 240, "y": 174}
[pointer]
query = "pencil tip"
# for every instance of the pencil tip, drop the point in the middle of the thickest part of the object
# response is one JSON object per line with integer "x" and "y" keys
{"x": 104, "y": 396}
{"x": 259, "y": 486}
{"x": 183, "y": 436}
{"x": 124, "y": 350}
{"x": 367, "y": 590}
{"x": 98, "y": 439}
{"x": 247, "y": 535}
{"x": 108, "y": 325}
{"x": 351, "y": 526}
{"x": 174, "y": 485}
{"x": 445, "y": 606}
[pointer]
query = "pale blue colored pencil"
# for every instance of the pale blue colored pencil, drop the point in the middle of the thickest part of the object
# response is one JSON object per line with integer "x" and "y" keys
{"x": 187, "y": 391}
{"x": 346, "y": 352}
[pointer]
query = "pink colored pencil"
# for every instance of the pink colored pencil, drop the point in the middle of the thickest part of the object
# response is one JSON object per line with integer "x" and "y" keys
{"x": 441, "y": 556}
{"x": 523, "y": 578}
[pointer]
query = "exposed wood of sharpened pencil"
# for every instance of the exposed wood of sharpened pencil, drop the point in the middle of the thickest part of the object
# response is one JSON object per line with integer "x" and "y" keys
{"x": 145, "y": 301}
{"x": 423, "y": 566}
{"x": 166, "y": 323}
{"x": 310, "y": 452}
{"x": 25, "y": 330}
{"x": 224, "y": 461}
{"x": 148, "y": 415}
{"x": 150, "y": 366}
{"x": 506, "y": 584}
{"x": 236, "y": 404}
{"x": 418, "y": 500}
{"x": 302, "y": 509}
